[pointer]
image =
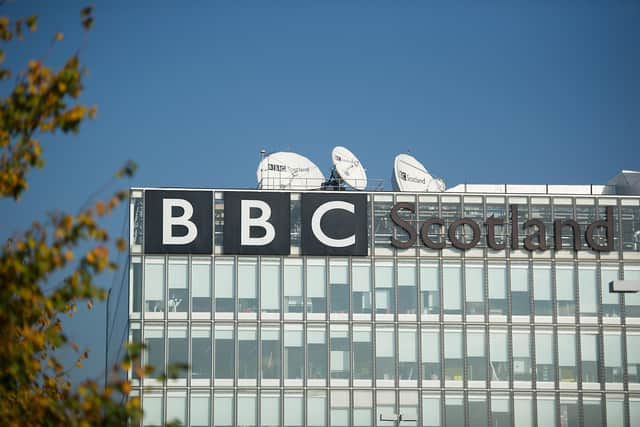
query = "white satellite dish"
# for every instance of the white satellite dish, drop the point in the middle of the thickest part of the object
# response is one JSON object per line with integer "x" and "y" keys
{"x": 410, "y": 175}
{"x": 288, "y": 171}
{"x": 348, "y": 169}
{"x": 436, "y": 185}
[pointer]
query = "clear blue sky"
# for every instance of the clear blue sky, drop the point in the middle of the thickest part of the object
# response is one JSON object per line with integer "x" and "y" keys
{"x": 480, "y": 92}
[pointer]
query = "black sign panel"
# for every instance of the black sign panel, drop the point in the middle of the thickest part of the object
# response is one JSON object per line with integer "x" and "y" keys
{"x": 178, "y": 222}
{"x": 256, "y": 223}
{"x": 334, "y": 224}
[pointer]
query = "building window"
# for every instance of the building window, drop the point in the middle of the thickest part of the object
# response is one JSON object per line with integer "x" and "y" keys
{"x": 478, "y": 410}
{"x": 452, "y": 288}
{"x": 154, "y": 347}
{"x": 477, "y": 359}
{"x": 224, "y": 285}
{"x": 316, "y": 289}
{"x": 177, "y": 408}
{"x": 223, "y": 409}
{"x": 498, "y": 351}
{"x": 520, "y": 289}
{"x": 452, "y": 355}
{"x": 247, "y": 353}
{"x": 293, "y": 279}
{"x": 521, "y": 355}
{"x": 362, "y": 353}
{"x": 632, "y": 300}
{"x": 454, "y": 410}
{"x": 385, "y": 408}
{"x": 339, "y": 350}
{"x": 385, "y": 298}
{"x": 317, "y": 408}
{"x": 153, "y": 411}
{"x": 201, "y": 352}
{"x": 567, "y": 356}
{"x": 430, "y": 354}
{"x": 136, "y": 282}
{"x": 590, "y": 356}
{"x": 407, "y": 288}
{"x": 612, "y": 357}
{"x": 498, "y": 289}
{"x": 474, "y": 289}
{"x": 523, "y": 410}
{"x": 200, "y": 410}
{"x": 610, "y": 300}
{"x": 293, "y": 409}
{"x": 592, "y": 407}
{"x": 569, "y": 411}
{"x": 339, "y": 286}
{"x": 362, "y": 415}
{"x": 407, "y": 354}
{"x": 409, "y": 407}
{"x": 270, "y": 338}
{"x": 317, "y": 348}
{"x": 546, "y": 411}
{"x": 247, "y": 286}
{"x": 633, "y": 357}
{"x": 542, "y": 290}
{"x": 385, "y": 354}
{"x": 615, "y": 411}
{"x": 270, "y": 409}
{"x": 500, "y": 413}
{"x": 339, "y": 408}
{"x": 201, "y": 286}
{"x": 225, "y": 352}
{"x": 178, "y": 300}
{"x": 270, "y": 286}
{"x": 247, "y": 409}
{"x": 431, "y": 410}
{"x": 565, "y": 290}
{"x": 544, "y": 356}
{"x": 177, "y": 349}
{"x": 588, "y": 290}
{"x": 430, "y": 288}
{"x": 154, "y": 285}
{"x": 361, "y": 287}
{"x": 293, "y": 352}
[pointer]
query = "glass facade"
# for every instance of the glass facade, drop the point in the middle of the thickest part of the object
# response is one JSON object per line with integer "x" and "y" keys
{"x": 447, "y": 337}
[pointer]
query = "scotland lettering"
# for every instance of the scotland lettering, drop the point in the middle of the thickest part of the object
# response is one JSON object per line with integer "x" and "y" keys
{"x": 533, "y": 232}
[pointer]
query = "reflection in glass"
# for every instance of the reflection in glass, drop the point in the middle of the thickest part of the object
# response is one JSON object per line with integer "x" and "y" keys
{"x": 615, "y": 411}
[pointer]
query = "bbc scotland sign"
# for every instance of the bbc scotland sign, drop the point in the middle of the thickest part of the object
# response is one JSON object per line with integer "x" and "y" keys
{"x": 332, "y": 224}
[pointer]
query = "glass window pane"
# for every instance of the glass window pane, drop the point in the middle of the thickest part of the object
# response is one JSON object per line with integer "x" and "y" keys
{"x": 223, "y": 409}
{"x": 615, "y": 412}
{"x": 632, "y": 300}
{"x": 247, "y": 352}
{"x": 633, "y": 357}
{"x": 431, "y": 410}
{"x": 339, "y": 408}
{"x": 316, "y": 290}
{"x": 498, "y": 351}
{"x": 362, "y": 408}
{"x": 523, "y": 411}
{"x": 339, "y": 286}
{"x": 201, "y": 286}
{"x": 154, "y": 285}
{"x": 588, "y": 290}
{"x": 565, "y": 290}
{"x": 270, "y": 337}
{"x": 385, "y": 298}
{"x": 224, "y": 278}
{"x": 362, "y": 353}
{"x": 454, "y": 410}
{"x": 453, "y": 355}
{"x": 478, "y": 410}
{"x": 247, "y": 409}
{"x": 592, "y": 412}
{"x": 452, "y": 288}
{"x": 293, "y": 409}
{"x": 154, "y": 347}
{"x": 339, "y": 351}
{"x": 224, "y": 357}
{"x": 613, "y": 357}
{"x": 247, "y": 285}
{"x": 317, "y": 408}
{"x": 474, "y": 289}
{"x": 521, "y": 355}
{"x": 590, "y": 356}
{"x": 407, "y": 354}
{"x": 544, "y": 356}
{"x": 153, "y": 413}
{"x": 270, "y": 286}
{"x": 200, "y": 410}
{"x": 270, "y": 409}
{"x": 361, "y": 287}
{"x": 317, "y": 347}
{"x": 177, "y": 348}
{"x": 293, "y": 278}
{"x": 201, "y": 352}
{"x": 546, "y": 412}
{"x": 569, "y": 411}
{"x": 610, "y": 300}
{"x": 476, "y": 354}
{"x": 177, "y": 272}
{"x": 500, "y": 413}
{"x": 293, "y": 352}
{"x": 497, "y": 289}
{"x": 542, "y": 290}
{"x": 567, "y": 356}
{"x": 177, "y": 409}
{"x": 430, "y": 355}
{"x": 136, "y": 285}
{"x": 520, "y": 289}
{"x": 430, "y": 288}
{"x": 407, "y": 283}
{"x": 385, "y": 354}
